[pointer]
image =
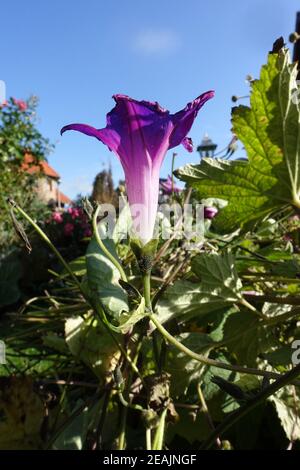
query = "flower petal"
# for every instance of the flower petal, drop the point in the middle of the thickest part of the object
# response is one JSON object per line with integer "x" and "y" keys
{"x": 84, "y": 128}
{"x": 143, "y": 128}
{"x": 107, "y": 136}
{"x": 184, "y": 119}
{"x": 188, "y": 144}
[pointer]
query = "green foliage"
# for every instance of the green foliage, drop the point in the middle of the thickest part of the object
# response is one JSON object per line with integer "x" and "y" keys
{"x": 91, "y": 343}
{"x": 219, "y": 287}
{"x": 10, "y": 273}
{"x": 287, "y": 405}
{"x": 269, "y": 130}
{"x": 185, "y": 300}
{"x": 182, "y": 368}
{"x": 218, "y": 276}
{"x": 18, "y": 134}
{"x": 103, "y": 278}
{"x": 246, "y": 337}
{"x": 106, "y": 367}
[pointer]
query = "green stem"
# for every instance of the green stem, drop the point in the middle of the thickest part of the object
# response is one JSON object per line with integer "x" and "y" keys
{"x": 124, "y": 402}
{"x": 103, "y": 247}
{"x": 148, "y": 304}
{"x": 122, "y": 435}
{"x": 148, "y": 439}
{"x": 206, "y": 412}
{"x": 100, "y": 313}
{"x": 253, "y": 309}
{"x": 127, "y": 404}
{"x": 265, "y": 277}
{"x": 160, "y": 431}
{"x": 288, "y": 300}
{"x": 103, "y": 319}
{"x": 147, "y": 290}
{"x": 206, "y": 360}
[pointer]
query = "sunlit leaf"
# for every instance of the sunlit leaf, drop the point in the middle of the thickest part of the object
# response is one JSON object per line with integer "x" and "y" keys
{"x": 269, "y": 130}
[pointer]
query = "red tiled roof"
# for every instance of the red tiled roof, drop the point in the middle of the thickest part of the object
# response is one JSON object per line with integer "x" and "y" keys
{"x": 31, "y": 167}
{"x": 63, "y": 198}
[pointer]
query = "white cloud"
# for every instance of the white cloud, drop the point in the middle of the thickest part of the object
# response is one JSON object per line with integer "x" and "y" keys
{"x": 156, "y": 42}
{"x": 78, "y": 185}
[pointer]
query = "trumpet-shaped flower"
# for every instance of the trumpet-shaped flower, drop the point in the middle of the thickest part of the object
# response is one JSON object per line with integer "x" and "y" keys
{"x": 140, "y": 133}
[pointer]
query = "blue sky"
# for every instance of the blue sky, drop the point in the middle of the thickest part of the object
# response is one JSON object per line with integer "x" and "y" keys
{"x": 74, "y": 55}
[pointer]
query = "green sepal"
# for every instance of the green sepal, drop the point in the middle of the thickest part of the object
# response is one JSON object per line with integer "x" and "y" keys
{"x": 144, "y": 253}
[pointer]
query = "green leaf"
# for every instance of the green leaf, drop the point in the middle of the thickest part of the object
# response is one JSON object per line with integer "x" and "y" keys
{"x": 287, "y": 405}
{"x": 280, "y": 357}
{"x": 103, "y": 277}
{"x": 128, "y": 319}
{"x": 74, "y": 436}
{"x": 185, "y": 300}
{"x": 92, "y": 344}
{"x": 246, "y": 337}
{"x": 288, "y": 269}
{"x": 269, "y": 130}
{"x": 182, "y": 368}
{"x": 56, "y": 342}
{"x": 219, "y": 278}
{"x": 219, "y": 402}
{"x": 220, "y": 287}
{"x": 77, "y": 266}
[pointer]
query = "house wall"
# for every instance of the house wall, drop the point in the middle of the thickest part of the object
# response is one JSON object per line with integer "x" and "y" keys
{"x": 47, "y": 189}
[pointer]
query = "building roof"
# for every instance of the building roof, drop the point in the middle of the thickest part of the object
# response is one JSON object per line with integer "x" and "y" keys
{"x": 63, "y": 198}
{"x": 30, "y": 166}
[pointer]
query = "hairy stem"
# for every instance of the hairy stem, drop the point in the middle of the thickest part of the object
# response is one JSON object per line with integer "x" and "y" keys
{"x": 206, "y": 360}
{"x": 147, "y": 290}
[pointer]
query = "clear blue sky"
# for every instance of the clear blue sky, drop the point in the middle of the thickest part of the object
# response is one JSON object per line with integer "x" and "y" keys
{"x": 75, "y": 54}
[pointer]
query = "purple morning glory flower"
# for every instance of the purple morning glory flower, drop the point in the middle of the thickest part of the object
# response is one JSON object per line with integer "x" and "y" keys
{"x": 210, "y": 212}
{"x": 166, "y": 186}
{"x": 140, "y": 133}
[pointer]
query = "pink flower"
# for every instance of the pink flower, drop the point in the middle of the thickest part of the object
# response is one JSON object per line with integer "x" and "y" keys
{"x": 140, "y": 133}
{"x": 3, "y": 104}
{"x": 210, "y": 212}
{"x": 188, "y": 144}
{"x": 167, "y": 186}
{"x": 57, "y": 217}
{"x": 74, "y": 212}
{"x": 68, "y": 229}
{"x": 22, "y": 105}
